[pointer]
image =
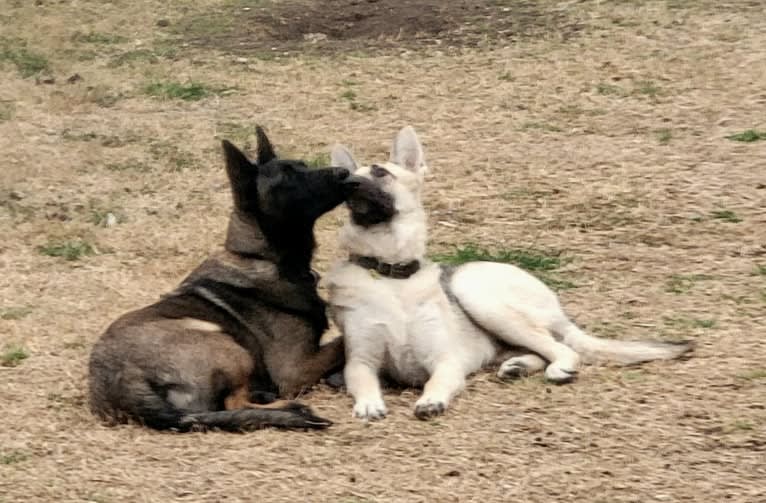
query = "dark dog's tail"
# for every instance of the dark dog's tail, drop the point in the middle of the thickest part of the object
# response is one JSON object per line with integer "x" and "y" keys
{"x": 147, "y": 402}
{"x": 293, "y": 415}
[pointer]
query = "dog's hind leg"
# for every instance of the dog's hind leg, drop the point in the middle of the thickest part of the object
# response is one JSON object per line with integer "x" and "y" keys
{"x": 515, "y": 329}
{"x": 516, "y": 308}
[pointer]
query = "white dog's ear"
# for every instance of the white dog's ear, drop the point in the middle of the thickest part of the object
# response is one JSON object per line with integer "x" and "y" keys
{"x": 341, "y": 157}
{"x": 407, "y": 151}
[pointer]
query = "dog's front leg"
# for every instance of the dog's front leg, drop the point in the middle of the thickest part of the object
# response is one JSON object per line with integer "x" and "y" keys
{"x": 363, "y": 384}
{"x": 297, "y": 368}
{"x": 447, "y": 380}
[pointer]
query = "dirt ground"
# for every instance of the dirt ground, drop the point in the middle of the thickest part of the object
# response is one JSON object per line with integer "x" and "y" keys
{"x": 595, "y": 129}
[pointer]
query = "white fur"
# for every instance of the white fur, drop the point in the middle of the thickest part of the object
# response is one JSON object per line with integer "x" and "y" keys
{"x": 411, "y": 330}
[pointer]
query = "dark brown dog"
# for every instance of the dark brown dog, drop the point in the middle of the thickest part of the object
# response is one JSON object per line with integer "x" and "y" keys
{"x": 242, "y": 327}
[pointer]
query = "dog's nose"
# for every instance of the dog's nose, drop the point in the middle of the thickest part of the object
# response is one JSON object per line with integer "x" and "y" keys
{"x": 341, "y": 173}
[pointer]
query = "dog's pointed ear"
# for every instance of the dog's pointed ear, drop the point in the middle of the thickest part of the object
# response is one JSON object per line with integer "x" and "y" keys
{"x": 239, "y": 169}
{"x": 407, "y": 151}
{"x": 265, "y": 150}
{"x": 236, "y": 161}
{"x": 341, "y": 157}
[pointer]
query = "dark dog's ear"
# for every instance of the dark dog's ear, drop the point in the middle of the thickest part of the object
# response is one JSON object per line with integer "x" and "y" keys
{"x": 265, "y": 150}
{"x": 240, "y": 171}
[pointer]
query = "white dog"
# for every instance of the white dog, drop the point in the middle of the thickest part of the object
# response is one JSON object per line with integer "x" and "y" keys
{"x": 425, "y": 325}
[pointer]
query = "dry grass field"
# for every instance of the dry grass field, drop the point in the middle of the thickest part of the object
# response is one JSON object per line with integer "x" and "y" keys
{"x": 624, "y": 141}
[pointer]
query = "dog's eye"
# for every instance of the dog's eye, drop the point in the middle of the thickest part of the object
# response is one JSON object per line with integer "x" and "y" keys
{"x": 378, "y": 171}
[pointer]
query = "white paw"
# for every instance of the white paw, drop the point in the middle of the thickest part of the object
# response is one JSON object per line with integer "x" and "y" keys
{"x": 559, "y": 374}
{"x": 370, "y": 409}
{"x": 426, "y": 408}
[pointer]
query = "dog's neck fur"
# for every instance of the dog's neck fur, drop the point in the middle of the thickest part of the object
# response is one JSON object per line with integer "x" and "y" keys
{"x": 247, "y": 240}
{"x": 402, "y": 239}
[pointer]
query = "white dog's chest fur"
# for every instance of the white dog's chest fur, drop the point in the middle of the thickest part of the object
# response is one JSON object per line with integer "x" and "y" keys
{"x": 405, "y": 326}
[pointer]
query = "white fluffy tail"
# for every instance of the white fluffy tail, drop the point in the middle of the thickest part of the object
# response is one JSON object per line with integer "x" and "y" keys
{"x": 597, "y": 350}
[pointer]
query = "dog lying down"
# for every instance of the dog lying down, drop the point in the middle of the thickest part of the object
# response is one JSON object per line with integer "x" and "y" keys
{"x": 244, "y": 326}
{"x": 421, "y": 324}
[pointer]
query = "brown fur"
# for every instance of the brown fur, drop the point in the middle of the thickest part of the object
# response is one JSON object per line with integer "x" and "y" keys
{"x": 245, "y": 323}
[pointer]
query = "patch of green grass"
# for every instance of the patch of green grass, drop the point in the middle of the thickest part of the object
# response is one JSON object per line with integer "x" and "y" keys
{"x": 190, "y": 91}
{"x": 98, "y": 38}
{"x": 351, "y": 96}
{"x": 507, "y": 76}
{"x": 178, "y": 159}
{"x": 542, "y": 126}
{"x": 320, "y": 160}
{"x": 530, "y": 260}
{"x": 14, "y": 313}
{"x": 106, "y": 217}
{"x": 7, "y": 111}
{"x": 752, "y": 375}
{"x": 664, "y": 136}
{"x": 760, "y": 270}
{"x": 538, "y": 261}
{"x": 104, "y": 140}
{"x": 609, "y": 90}
{"x": 682, "y": 283}
{"x": 633, "y": 375}
{"x": 704, "y": 323}
{"x": 13, "y": 355}
{"x": 682, "y": 322}
{"x": 726, "y": 215}
{"x": 748, "y": 136}
{"x": 741, "y": 424}
{"x": 129, "y": 165}
{"x": 28, "y": 63}
{"x": 11, "y": 457}
{"x": 575, "y": 111}
{"x": 526, "y": 193}
{"x": 131, "y": 58}
{"x": 69, "y": 250}
{"x": 646, "y": 88}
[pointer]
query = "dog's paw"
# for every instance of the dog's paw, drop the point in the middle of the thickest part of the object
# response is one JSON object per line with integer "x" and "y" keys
{"x": 510, "y": 370}
{"x": 559, "y": 375}
{"x": 370, "y": 409}
{"x": 428, "y": 408}
{"x": 336, "y": 380}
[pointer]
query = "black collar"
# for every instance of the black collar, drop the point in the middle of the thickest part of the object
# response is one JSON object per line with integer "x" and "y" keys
{"x": 400, "y": 270}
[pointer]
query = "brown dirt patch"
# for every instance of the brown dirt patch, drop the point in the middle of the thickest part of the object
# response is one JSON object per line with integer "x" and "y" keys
{"x": 344, "y": 25}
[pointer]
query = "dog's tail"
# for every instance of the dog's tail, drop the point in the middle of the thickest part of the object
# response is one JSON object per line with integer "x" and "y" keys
{"x": 597, "y": 350}
{"x": 292, "y": 416}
